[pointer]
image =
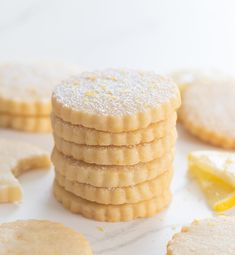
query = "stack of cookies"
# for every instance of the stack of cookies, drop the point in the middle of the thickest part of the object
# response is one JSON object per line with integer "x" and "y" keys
{"x": 25, "y": 94}
{"x": 114, "y": 133}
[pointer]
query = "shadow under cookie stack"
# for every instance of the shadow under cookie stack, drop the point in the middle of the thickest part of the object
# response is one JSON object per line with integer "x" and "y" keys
{"x": 114, "y": 133}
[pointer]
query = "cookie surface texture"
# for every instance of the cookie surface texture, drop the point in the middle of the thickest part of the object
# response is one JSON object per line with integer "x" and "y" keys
{"x": 25, "y": 88}
{"x": 41, "y": 237}
{"x": 213, "y": 236}
{"x": 208, "y": 112}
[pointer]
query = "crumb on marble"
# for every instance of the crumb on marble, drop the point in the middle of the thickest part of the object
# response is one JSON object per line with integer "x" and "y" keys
{"x": 101, "y": 229}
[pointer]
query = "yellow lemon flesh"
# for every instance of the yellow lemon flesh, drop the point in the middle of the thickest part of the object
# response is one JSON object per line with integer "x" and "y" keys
{"x": 215, "y": 174}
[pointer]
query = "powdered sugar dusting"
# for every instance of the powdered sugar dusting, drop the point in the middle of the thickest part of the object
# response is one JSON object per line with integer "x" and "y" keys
{"x": 212, "y": 236}
{"x": 211, "y": 104}
{"x": 25, "y": 81}
{"x": 115, "y": 92}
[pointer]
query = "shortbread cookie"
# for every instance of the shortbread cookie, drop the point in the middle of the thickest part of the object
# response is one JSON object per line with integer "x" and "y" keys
{"x": 213, "y": 236}
{"x": 26, "y": 123}
{"x": 115, "y": 100}
{"x": 208, "y": 112}
{"x": 81, "y": 135}
{"x": 184, "y": 78}
{"x": 117, "y": 155}
{"x": 25, "y": 89}
{"x": 16, "y": 158}
{"x": 111, "y": 213}
{"x": 27, "y": 237}
{"x": 116, "y": 196}
{"x": 110, "y": 176}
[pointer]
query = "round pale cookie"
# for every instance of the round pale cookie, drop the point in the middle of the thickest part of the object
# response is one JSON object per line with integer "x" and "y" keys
{"x": 26, "y": 123}
{"x": 213, "y": 236}
{"x": 27, "y": 237}
{"x": 110, "y": 176}
{"x": 117, "y": 155}
{"x": 111, "y": 213}
{"x": 81, "y": 135}
{"x": 115, "y": 100}
{"x": 117, "y": 196}
{"x": 184, "y": 78}
{"x": 208, "y": 112}
{"x": 25, "y": 88}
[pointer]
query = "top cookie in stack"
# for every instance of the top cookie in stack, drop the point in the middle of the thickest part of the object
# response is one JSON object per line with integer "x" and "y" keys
{"x": 114, "y": 134}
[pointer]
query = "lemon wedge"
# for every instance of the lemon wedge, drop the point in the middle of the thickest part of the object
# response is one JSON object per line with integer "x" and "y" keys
{"x": 215, "y": 174}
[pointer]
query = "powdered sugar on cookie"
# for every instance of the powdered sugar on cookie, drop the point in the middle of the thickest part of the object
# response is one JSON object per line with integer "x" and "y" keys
{"x": 30, "y": 82}
{"x": 116, "y": 92}
{"x": 211, "y": 105}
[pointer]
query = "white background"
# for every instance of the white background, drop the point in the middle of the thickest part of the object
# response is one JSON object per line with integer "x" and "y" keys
{"x": 150, "y": 34}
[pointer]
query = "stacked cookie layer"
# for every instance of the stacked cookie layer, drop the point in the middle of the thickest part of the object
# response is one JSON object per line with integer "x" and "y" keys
{"x": 114, "y": 133}
{"x": 25, "y": 92}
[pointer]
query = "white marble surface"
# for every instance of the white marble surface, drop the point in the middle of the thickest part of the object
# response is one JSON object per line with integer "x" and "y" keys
{"x": 153, "y": 34}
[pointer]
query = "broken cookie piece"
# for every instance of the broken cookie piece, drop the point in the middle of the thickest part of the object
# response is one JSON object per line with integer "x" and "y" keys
{"x": 16, "y": 158}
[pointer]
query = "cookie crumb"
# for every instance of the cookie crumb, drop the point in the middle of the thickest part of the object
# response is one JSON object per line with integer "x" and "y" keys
{"x": 101, "y": 229}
